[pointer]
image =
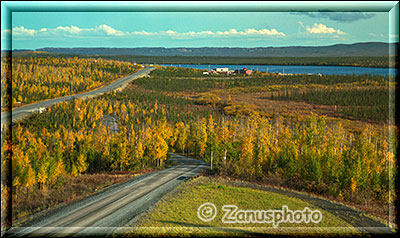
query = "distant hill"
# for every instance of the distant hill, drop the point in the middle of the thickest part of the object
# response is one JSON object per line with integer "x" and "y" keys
{"x": 339, "y": 50}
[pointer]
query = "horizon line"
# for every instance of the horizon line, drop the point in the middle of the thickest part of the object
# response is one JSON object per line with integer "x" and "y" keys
{"x": 104, "y": 47}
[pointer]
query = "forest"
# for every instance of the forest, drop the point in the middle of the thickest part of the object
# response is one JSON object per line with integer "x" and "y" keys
{"x": 357, "y": 61}
{"x": 38, "y": 78}
{"x": 177, "y": 110}
{"x": 70, "y": 139}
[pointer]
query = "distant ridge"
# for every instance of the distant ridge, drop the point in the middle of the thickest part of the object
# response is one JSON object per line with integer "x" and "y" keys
{"x": 357, "y": 49}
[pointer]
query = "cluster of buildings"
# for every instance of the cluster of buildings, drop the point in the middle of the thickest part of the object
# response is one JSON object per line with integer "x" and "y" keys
{"x": 243, "y": 71}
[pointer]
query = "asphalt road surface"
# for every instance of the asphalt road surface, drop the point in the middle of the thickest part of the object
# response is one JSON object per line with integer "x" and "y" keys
{"x": 106, "y": 211}
{"x": 26, "y": 110}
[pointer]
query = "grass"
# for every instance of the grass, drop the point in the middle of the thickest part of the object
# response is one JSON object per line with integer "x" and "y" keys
{"x": 176, "y": 214}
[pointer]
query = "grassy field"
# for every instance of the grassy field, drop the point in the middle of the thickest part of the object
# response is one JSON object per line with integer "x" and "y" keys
{"x": 177, "y": 214}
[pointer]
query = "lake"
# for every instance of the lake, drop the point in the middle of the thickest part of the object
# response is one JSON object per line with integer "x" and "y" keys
{"x": 298, "y": 69}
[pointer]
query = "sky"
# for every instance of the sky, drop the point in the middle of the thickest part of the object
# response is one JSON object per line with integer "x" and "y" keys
{"x": 33, "y": 30}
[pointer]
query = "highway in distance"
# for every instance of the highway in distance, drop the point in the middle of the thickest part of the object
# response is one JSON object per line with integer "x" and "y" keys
{"x": 22, "y": 112}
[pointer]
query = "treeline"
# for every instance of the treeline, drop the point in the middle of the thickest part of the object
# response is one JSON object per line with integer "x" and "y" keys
{"x": 317, "y": 157}
{"x": 357, "y": 61}
{"x": 166, "y": 80}
{"x": 367, "y": 103}
{"x": 164, "y": 71}
{"x": 39, "y": 78}
{"x": 373, "y": 61}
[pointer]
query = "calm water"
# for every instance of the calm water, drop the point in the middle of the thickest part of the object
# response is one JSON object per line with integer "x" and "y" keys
{"x": 300, "y": 69}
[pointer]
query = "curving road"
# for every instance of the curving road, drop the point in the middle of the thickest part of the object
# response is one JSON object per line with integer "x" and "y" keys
{"x": 26, "y": 110}
{"x": 106, "y": 211}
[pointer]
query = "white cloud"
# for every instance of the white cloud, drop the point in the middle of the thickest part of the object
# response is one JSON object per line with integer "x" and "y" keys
{"x": 70, "y": 29}
{"x": 142, "y": 33}
{"x": 21, "y": 31}
{"x": 170, "y": 32}
{"x": 110, "y": 31}
{"x": 105, "y": 30}
{"x": 230, "y": 32}
{"x": 272, "y": 32}
{"x": 322, "y": 29}
{"x": 205, "y": 33}
{"x": 208, "y": 33}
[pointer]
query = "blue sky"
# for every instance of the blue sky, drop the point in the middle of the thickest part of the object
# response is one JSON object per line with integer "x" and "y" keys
{"x": 32, "y": 30}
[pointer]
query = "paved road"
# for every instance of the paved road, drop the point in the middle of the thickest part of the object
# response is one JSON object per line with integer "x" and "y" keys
{"x": 24, "y": 111}
{"x": 113, "y": 208}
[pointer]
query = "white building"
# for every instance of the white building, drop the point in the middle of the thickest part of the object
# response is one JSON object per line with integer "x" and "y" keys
{"x": 220, "y": 70}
